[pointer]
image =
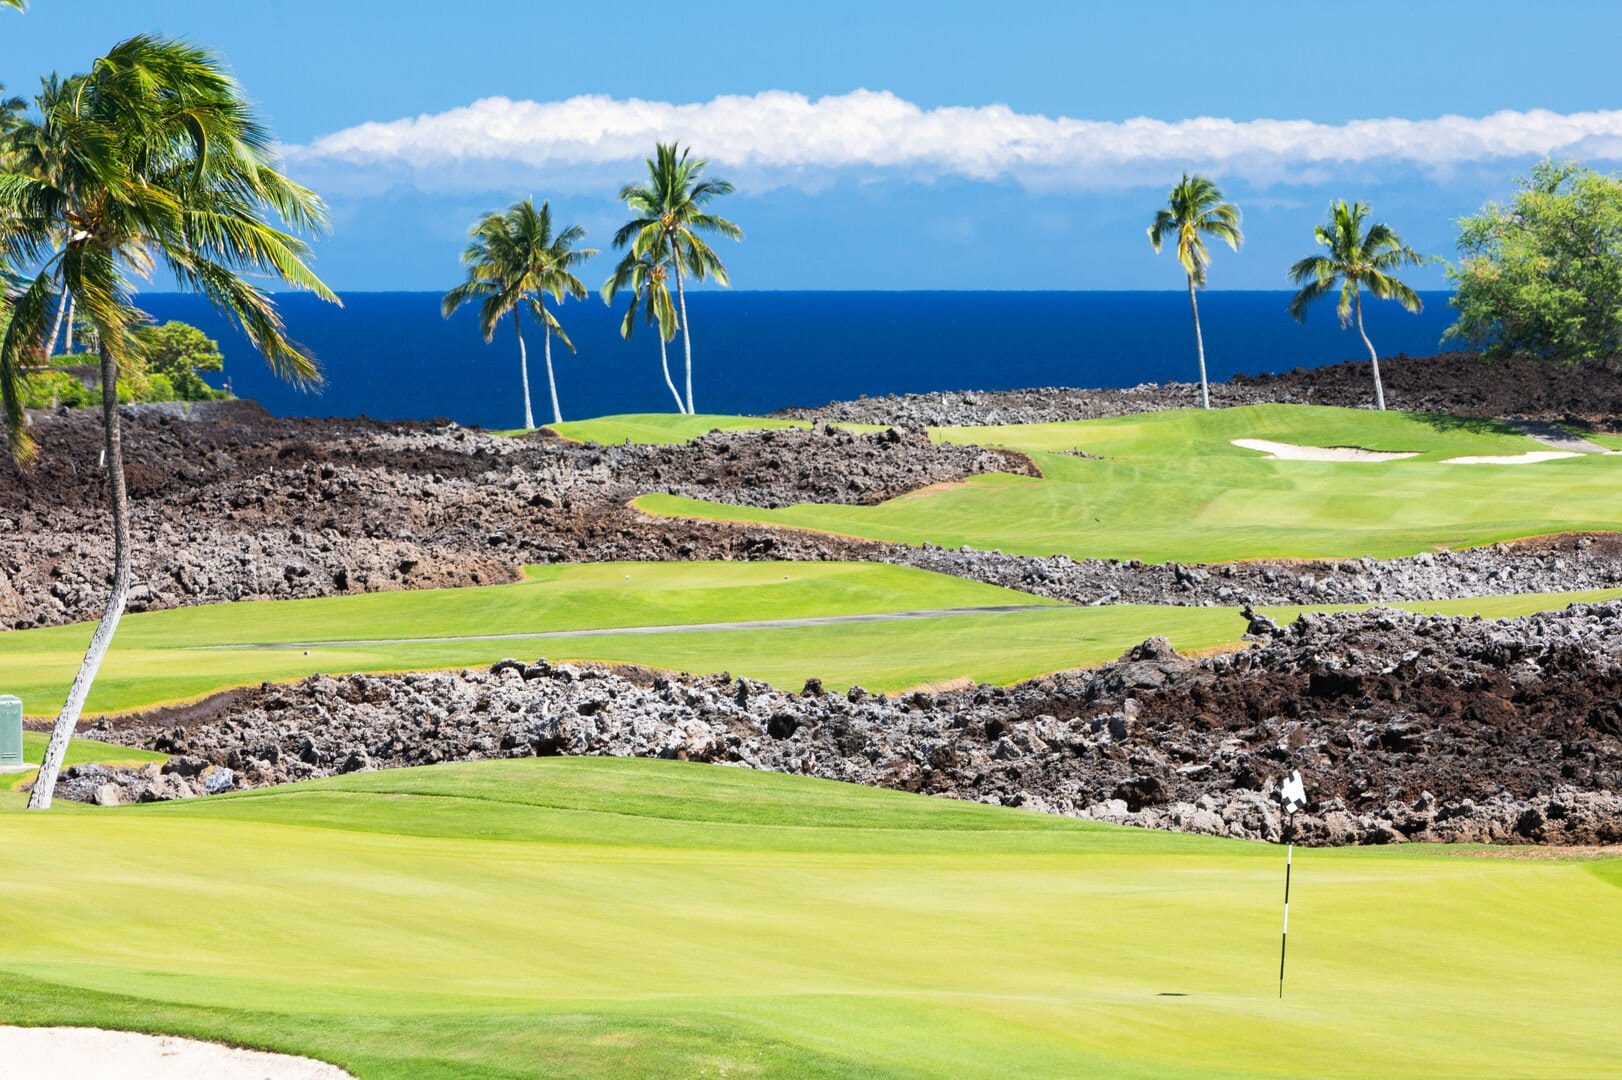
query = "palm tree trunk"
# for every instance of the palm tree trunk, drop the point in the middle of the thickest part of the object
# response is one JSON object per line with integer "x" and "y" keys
{"x": 68, "y": 346}
{"x": 551, "y": 381}
{"x": 1374, "y": 357}
{"x": 664, "y": 365}
{"x": 56, "y": 327}
{"x": 523, "y": 372}
{"x": 68, "y": 719}
{"x": 686, "y": 338}
{"x": 1199, "y": 344}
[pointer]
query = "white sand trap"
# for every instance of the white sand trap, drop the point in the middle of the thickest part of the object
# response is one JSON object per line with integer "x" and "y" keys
{"x": 1284, "y": 451}
{"x": 122, "y": 1055}
{"x": 1531, "y": 457}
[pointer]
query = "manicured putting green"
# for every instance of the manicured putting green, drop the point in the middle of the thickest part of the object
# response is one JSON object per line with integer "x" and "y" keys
{"x": 591, "y": 917}
{"x": 1171, "y": 487}
{"x": 168, "y": 656}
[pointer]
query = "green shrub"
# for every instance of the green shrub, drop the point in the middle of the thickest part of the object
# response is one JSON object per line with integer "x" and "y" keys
{"x": 1543, "y": 275}
{"x": 50, "y": 389}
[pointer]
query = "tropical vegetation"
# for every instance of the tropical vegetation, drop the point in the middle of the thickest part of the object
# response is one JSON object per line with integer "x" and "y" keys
{"x": 1358, "y": 257}
{"x": 646, "y": 276}
{"x": 155, "y": 160}
{"x": 671, "y": 215}
{"x": 1195, "y": 209}
{"x": 514, "y": 261}
{"x": 1543, "y": 275}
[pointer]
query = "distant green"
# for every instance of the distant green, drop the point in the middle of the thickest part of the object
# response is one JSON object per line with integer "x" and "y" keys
{"x": 668, "y": 429}
{"x": 662, "y": 429}
{"x": 569, "y": 918}
{"x": 1170, "y": 486}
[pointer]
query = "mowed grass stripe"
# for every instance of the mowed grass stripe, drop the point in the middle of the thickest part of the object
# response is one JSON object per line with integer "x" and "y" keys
{"x": 165, "y": 657}
{"x": 778, "y": 926}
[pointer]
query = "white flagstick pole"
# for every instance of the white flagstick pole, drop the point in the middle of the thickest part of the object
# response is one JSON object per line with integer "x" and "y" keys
{"x": 1294, "y": 796}
{"x": 1284, "y": 937}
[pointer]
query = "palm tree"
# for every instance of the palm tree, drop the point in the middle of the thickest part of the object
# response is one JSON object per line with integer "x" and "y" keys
{"x": 647, "y": 277}
{"x": 20, "y": 5}
{"x": 670, "y": 214}
{"x": 1356, "y": 258}
{"x": 165, "y": 165}
{"x": 514, "y": 262}
{"x": 1194, "y": 211}
{"x": 46, "y": 156}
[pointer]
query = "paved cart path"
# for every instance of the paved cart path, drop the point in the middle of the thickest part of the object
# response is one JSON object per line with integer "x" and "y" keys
{"x": 1553, "y": 435}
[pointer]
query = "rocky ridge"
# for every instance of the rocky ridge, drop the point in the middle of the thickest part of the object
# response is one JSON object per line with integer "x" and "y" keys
{"x": 241, "y": 505}
{"x": 1406, "y": 728}
{"x": 1459, "y": 384}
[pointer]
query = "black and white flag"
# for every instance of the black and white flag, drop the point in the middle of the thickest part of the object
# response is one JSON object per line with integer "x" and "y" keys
{"x": 1293, "y": 793}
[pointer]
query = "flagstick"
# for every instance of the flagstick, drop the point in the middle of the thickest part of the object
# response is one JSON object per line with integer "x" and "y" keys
{"x": 1284, "y": 937}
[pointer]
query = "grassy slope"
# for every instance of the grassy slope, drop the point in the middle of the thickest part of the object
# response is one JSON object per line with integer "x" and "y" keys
{"x": 567, "y": 918}
{"x": 156, "y": 658}
{"x": 1170, "y": 486}
{"x": 145, "y": 665}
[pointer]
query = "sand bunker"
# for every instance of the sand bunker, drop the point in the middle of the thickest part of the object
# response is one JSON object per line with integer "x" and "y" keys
{"x": 1284, "y": 451}
{"x": 122, "y": 1055}
{"x": 1529, "y": 458}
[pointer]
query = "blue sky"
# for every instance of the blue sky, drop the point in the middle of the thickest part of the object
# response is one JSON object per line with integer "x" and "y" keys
{"x": 892, "y": 145}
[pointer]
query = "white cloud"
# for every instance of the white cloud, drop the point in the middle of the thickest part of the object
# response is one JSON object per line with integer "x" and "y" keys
{"x": 779, "y": 138}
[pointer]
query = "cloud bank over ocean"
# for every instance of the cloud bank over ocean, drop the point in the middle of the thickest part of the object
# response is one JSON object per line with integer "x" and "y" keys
{"x": 781, "y": 139}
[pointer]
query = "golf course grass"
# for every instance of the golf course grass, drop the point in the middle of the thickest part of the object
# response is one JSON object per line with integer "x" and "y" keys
{"x": 662, "y": 429}
{"x": 163, "y": 657}
{"x": 1171, "y": 486}
{"x": 1611, "y": 440}
{"x": 593, "y": 917}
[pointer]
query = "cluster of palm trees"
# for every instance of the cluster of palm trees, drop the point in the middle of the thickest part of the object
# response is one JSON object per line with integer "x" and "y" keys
{"x": 1358, "y": 255}
{"x": 153, "y": 159}
{"x": 515, "y": 261}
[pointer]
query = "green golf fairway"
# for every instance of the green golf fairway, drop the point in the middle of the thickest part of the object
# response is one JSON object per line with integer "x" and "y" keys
{"x": 167, "y": 656}
{"x": 661, "y": 428}
{"x": 1171, "y": 487}
{"x": 590, "y": 917}
{"x": 668, "y": 429}
{"x": 171, "y": 655}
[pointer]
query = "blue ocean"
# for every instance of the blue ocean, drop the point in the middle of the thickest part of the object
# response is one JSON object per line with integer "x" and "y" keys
{"x": 391, "y": 355}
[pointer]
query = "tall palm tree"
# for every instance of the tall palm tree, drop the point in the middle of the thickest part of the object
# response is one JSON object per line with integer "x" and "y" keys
{"x": 647, "y": 276}
{"x": 514, "y": 262}
{"x": 47, "y": 157}
{"x": 1194, "y": 211}
{"x": 166, "y": 165}
{"x": 1357, "y": 257}
{"x": 670, "y": 213}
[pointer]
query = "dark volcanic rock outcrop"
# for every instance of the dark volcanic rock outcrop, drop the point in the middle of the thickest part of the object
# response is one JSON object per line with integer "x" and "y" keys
{"x": 1459, "y": 384}
{"x": 238, "y": 504}
{"x": 1405, "y": 727}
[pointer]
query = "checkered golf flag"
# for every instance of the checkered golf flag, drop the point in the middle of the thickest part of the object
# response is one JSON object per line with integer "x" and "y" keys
{"x": 1293, "y": 793}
